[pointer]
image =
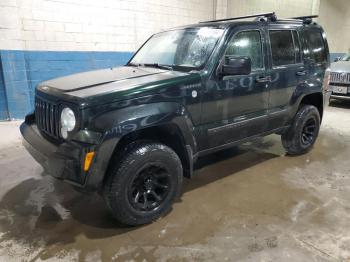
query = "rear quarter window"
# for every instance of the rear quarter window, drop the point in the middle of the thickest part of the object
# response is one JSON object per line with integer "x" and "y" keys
{"x": 314, "y": 45}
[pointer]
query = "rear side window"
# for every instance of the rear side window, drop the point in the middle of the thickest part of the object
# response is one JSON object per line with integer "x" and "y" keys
{"x": 314, "y": 46}
{"x": 247, "y": 43}
{"x": 282, "y": 47}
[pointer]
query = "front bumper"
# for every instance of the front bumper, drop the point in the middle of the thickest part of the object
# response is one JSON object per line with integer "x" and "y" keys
{"x": 345, "y": 94}
{"x": 65, "y": 160}
{"x": 337, "y": 96}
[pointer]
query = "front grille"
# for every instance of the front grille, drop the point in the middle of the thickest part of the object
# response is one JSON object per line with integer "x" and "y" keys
{"x": 343, "y": 78}
{"x": 46, "y": 115}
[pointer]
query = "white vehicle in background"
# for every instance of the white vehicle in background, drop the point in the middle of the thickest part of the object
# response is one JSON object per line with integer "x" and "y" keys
{"x": 340, "y": 78}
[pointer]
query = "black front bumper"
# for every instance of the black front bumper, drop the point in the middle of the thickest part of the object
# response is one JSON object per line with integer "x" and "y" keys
{"x": 65, "y": 160}
{"x": 62, "y": 160}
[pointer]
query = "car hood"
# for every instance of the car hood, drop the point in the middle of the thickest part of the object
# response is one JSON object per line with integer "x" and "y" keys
{"x": 114, "y": 83}
{"x": 340, "y": 66}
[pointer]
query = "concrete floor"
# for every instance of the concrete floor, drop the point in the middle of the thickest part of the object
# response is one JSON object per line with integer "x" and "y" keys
{"x": 250, "y": 203}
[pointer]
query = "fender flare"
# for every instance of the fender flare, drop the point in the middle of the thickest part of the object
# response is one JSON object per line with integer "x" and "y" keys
{"x": 299, "y": 94}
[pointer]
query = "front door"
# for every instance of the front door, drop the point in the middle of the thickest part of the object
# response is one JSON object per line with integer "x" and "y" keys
{"x": 235, "y": 107}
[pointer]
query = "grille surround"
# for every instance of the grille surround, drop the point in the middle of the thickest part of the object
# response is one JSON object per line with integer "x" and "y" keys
{"x": 340, "y": 77}
{"x": 47, "y": 117}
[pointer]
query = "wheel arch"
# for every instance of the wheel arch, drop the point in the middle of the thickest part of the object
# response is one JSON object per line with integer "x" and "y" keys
{"x": 168, "y": 134}
{"x": 315, "y": 99}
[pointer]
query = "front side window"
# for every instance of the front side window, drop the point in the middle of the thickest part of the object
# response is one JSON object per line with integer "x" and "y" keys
{"x": 189, "y": 47}
{"x": 314, "y": 46}
{"x": 282, "y": 47}
{"x": 247, "y": 43}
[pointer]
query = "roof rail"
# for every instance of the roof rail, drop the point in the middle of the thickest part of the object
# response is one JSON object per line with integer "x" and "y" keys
{"x": 272, "y": 16}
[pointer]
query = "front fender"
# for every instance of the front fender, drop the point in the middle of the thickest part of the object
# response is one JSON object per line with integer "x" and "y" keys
{"x": 121, "y": 122}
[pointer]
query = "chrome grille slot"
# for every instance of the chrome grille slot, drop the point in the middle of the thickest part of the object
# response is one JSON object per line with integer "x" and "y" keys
{"x": 343, "y": 78}
{"x": 46, "y": 114}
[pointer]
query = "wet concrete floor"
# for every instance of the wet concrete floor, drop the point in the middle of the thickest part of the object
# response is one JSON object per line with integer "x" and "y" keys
{"x": 249, "y": 203}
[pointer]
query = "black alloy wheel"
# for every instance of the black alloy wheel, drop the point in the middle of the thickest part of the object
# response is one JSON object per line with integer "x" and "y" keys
{"x": 300, "y": 137}
{"x": 143, "y": 183}
{"x": 308, "y": 132}
{"x": 149, "y": 188}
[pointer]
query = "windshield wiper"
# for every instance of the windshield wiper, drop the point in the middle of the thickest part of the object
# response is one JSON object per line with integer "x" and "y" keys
{"x": 161, "y": 66}
{"x": 133, "y": 64}
{"x": 157, "y": 65}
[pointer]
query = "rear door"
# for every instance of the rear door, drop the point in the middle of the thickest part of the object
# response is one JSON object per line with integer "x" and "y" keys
{"x": 287, "y": 71}
{"x": 316, "y": 57}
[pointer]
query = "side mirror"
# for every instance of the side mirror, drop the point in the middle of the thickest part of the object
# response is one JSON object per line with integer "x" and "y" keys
{"x": 235, "y": 65}
{"x": 337, "y": 59}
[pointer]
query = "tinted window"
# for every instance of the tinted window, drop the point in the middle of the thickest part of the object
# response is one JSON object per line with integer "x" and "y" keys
{"x": 247, "y": 43}
{"x": 297, "y": 47}
{"x": 282, "y": 47}
{"x": 314, "y": 46}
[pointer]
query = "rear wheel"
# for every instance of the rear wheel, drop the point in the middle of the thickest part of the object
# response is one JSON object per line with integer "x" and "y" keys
{"x": 303, "y": 132}
{"x": 144, "y": 184}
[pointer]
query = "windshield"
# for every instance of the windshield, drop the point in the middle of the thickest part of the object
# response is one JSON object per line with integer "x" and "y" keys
{"x": 346, "y": 58}
{"x": 183, "y": 48}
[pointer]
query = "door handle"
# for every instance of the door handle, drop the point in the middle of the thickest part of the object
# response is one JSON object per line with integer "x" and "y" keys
{"x": 301, "y": 73}
{"x": 263, "y": 79}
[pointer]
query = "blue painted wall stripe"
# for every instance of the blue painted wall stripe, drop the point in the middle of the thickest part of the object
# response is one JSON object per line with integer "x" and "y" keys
{"x": 3, "y": 98}
{"x": 22, "y": 71}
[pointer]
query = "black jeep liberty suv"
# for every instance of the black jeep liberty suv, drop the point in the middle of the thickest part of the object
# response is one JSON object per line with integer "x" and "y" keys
{"x": 133, "y": 132}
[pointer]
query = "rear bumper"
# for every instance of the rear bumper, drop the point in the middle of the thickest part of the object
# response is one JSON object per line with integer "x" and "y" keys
{"x": 65, "y": 161}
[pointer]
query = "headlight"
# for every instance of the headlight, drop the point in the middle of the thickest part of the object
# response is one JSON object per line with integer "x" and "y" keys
{"x": 68, "y": 121}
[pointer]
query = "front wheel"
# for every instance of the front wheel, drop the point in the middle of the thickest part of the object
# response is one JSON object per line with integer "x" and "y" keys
{"x": 143, "y": 185}
{"x": 302, "y": 134}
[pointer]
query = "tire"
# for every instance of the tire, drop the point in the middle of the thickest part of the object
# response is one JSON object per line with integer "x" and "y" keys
{"x": 302, "y": 134}
{"x": 143, "y": 185}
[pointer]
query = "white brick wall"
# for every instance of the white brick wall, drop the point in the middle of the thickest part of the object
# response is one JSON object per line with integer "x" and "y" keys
{"x": 335, "y": 18}
{"x": 283, "y": 8}
{"x": 122, "y": 25}
{"x": 100, "y": 25}
{"x": 221, "y": 9}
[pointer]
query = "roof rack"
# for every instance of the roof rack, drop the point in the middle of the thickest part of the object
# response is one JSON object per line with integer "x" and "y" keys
{"x": 272, "y": 16}
{"x": 306, "y": 19}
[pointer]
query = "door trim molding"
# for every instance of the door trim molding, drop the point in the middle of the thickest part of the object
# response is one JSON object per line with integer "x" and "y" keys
{"x": 241, "y": 123}
{"x": 238, "y": 142}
